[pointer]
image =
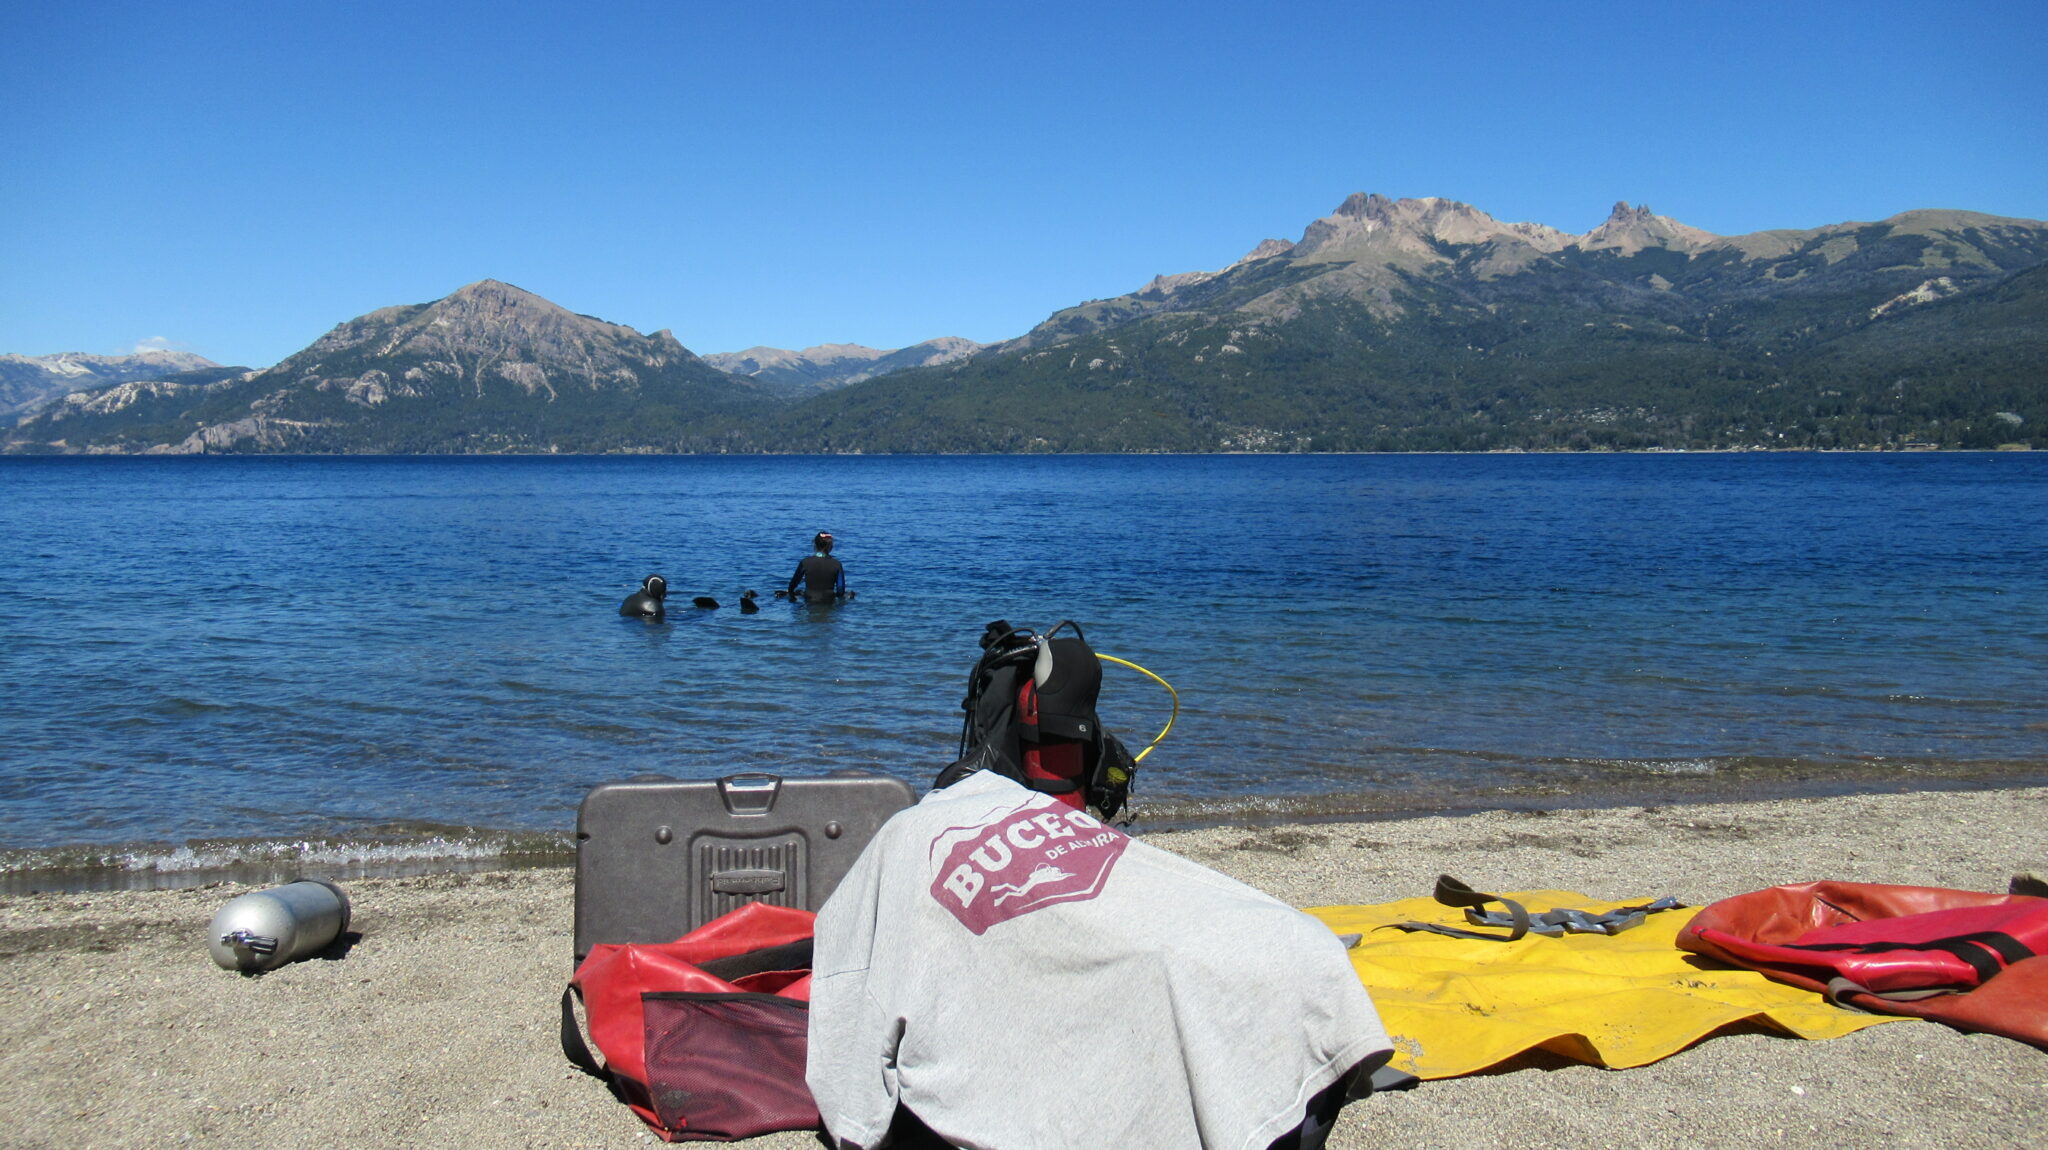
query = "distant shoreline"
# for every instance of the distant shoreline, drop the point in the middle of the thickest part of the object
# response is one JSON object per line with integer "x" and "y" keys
{"x": 2007, "y": 448}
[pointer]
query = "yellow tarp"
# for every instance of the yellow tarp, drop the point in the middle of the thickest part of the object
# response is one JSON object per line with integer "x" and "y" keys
{"x": 1455, "y": 1005}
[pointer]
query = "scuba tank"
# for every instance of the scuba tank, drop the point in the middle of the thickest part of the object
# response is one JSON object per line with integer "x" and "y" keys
{"x": 268, "y": 928}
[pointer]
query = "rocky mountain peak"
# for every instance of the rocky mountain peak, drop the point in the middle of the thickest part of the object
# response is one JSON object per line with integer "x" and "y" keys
{"x": 1543, "y": 237}
{"x": 1168, "y": 284}
{"x": 1629, "y": 230}
{"x": 1361, "y": 206}
{"x": 491, "y": 306}
{"x": 1406, "y": 231}
{"x": 489, "y": 366}
{"x": 494, "y": 320}
{"x": 482, "y": 336}
{"x": 1266, "y": 249}
{"x": 496, "y": 295}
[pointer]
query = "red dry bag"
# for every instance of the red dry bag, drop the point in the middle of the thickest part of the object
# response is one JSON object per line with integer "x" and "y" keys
{"x": 1969, "y": 959}
{"x": 704, "y": 1037}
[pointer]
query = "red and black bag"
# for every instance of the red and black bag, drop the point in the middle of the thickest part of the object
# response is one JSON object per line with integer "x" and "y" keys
{"x": 704, "y": 1037}
{"x": 1975, "y": 961}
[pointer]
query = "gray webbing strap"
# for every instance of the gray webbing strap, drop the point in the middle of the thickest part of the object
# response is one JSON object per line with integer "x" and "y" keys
{"x": 1517, "y": 921}
{"x": 1565, "y": 920}
{"x": 1451, "y": 892}
{"x": 1839, "y": 990}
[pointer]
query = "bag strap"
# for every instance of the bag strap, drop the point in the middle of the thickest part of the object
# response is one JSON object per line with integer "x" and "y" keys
{"x": 1451, "y": 892}
{"x": 1971, "y": 948}
{"x": 1567, "y": 920}
{"x": 579, "y": 1055}
{"x": 788, "y": 956}
{"x": 573, "y": 1046}
{"x": 1839, "y": 991}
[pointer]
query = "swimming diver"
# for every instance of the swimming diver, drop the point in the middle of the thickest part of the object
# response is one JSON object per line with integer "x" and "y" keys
{"x": 646, "y": 602}
{"x": 822, "y": 577}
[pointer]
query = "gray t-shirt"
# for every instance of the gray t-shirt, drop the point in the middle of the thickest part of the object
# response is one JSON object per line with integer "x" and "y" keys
{"x": 1021, "y": 975}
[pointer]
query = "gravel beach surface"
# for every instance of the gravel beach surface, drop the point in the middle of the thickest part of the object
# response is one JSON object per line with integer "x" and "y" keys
{"x": 438, "y": 1025}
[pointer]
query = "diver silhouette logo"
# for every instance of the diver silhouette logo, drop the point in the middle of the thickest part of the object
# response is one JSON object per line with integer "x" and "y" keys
{"x": 1045, "y": 873}
{"x": 1022, "y": 861}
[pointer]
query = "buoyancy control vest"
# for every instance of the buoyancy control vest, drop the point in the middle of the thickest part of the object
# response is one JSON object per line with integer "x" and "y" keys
{"x": 1030, "y": 716}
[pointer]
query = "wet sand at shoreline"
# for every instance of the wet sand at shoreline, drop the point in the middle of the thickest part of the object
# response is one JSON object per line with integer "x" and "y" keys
{"x": 438, "y": 1025}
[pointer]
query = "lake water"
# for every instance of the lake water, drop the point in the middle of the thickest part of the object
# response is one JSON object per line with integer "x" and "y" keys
{"x": 387, "y": 662}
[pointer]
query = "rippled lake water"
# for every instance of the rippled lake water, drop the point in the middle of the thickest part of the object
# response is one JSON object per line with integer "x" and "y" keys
{"x": 210, "y": 658}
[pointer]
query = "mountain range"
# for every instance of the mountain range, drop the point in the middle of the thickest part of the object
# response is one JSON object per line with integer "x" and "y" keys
{"x": 831, "y": 365}
{"x": 28, "y": 383}
{"x": 1410, "y": 324}
{"x": 488, "y": 368}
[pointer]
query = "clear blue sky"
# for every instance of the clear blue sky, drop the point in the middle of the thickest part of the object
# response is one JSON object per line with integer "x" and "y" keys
{"x": 235, "y": 179}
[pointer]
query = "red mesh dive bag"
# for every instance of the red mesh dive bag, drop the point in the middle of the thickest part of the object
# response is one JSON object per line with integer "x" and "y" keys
{"x": 704, "y": 1037}
{"x": 1975, "y": 961}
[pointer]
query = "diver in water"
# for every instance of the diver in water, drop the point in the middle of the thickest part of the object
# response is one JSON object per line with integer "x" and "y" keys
{"x": 646, "y": 602}
{"x": 822, "y": 577}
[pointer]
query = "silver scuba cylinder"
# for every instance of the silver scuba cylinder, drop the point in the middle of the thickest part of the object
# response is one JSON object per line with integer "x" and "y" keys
{"x": 268, "y": 928}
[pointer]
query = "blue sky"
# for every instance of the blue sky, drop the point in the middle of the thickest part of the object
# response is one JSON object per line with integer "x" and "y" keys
{"x": 234, "y": 179}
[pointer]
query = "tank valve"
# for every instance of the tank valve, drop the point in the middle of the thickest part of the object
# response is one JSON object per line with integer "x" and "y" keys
{"x": 248, "y": 941}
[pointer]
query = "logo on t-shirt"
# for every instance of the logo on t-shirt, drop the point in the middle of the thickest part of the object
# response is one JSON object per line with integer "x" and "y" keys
{"x": 1024, "y": 861}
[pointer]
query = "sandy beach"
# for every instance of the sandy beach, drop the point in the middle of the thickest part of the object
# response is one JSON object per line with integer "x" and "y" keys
{"x": 437, "y": 1027}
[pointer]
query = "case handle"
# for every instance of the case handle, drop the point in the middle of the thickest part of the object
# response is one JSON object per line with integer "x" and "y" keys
{"x": 750, "y": 794}
{"x": 749, "y": 881}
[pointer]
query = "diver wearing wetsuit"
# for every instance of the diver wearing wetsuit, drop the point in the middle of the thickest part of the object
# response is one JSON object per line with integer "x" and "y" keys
{"x": 646, "y": 602}
{"x": 822, "y": 577}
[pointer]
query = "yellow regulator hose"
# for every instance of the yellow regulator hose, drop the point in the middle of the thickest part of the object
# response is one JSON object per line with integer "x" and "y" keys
{"x": 1156, "y": 739}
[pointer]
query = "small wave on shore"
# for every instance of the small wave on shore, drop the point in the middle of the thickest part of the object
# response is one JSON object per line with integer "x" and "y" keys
{"x": 391, "y": 852}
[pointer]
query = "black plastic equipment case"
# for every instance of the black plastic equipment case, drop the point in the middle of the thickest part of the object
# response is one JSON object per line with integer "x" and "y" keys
{"x": 658, "y": 857}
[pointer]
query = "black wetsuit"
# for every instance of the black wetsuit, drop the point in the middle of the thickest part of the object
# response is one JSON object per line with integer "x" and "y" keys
{"x": 643, "y": 605}
{"x": 646, "y": 602}
{"x": 822, "y": 577}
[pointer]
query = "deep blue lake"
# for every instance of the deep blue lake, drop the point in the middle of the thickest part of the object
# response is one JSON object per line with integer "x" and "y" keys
{"x": 212, "y": 658}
